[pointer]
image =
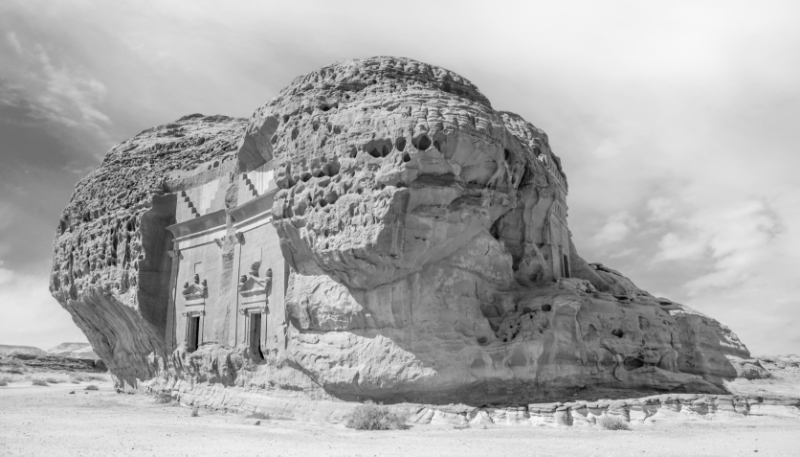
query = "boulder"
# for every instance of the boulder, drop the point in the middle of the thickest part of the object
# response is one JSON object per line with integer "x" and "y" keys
{"x": 428, "y": 257}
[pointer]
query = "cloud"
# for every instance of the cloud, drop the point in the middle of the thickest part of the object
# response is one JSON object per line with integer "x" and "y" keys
{"x": 13, "y": 41}
{"x": 616, "y": 228}
{"x": 31, "y": 315}
{"x": 673, "y": 247}
{"x": 54, "y": 90}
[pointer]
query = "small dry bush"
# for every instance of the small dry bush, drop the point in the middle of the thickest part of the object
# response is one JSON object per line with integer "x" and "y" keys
{"x": 52, "y": 380}
{"x": 163, "y": 398}
{"x": 259, "y": 415}
{"x": 40, "y": 382}
{"x": 613, "y": 423}
{"x": 91, "y": 387}
{"x": 375, "y": 417}
{"x": 195, "y": 412}
{"x": 77, "y": 378}
{"x": 4, "y": 381}
{"x": 94, "y": 377}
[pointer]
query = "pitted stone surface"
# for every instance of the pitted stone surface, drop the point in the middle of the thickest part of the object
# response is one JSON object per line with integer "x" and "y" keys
{"x": 419, "y": 226}
{"x": 109, "y": 267}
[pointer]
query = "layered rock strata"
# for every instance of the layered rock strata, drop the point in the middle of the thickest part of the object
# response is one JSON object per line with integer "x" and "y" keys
{"x": 377, "y": 231}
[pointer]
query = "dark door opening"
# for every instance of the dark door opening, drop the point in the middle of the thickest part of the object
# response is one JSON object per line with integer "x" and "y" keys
{"x": 255, "y": 336}
{"x": 193, "y": 333}
{"x": 565, "y": 265}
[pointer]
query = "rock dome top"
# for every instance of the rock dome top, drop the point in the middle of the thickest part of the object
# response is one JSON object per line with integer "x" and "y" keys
{"x": 377, "y": 74}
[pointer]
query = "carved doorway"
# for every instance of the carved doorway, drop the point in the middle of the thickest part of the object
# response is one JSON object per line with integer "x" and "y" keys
{"x": 193, "y": 333}
{"x": 255, "y": 336}
{"x": 565, "y": 265}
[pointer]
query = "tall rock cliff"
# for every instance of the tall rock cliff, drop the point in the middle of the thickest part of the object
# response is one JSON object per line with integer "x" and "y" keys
{"x": 428, "y": 252}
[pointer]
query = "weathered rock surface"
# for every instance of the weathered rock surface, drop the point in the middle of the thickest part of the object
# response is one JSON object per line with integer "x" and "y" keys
{"x": 111, "y": 268}
{"x": 50, "y": 362}
{"x": 418, "y": 223}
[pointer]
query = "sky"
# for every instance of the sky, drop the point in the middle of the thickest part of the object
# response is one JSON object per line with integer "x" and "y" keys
{"x": 678, "y": 123}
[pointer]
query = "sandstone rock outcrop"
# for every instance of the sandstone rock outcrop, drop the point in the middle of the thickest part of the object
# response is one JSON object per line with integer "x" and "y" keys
{"x": 79, "y": 350}
{"x": 378, "y": 230}
{"x": 7, "y": 349}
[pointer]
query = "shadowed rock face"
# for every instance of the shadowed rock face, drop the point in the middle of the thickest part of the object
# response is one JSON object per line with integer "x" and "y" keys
{"x": 110, "y": 267}
{"x": 419, "y": 226}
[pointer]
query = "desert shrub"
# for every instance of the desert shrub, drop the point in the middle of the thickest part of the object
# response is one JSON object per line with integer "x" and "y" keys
{"x": 52, "y": 380}
{"x": 613, "y": 423}
{"x": 40, "y": 382}
{"x": 259, "y": 415}
{"x": 91, "y": 387}
{"x": 163, "y": 398}
{"x": 195, "y": 412}
{"x": 4, "y": 381}
{"x": 374, "y": 417}
{"x": 94, "y": 377}
{"x": 77, "y": 378}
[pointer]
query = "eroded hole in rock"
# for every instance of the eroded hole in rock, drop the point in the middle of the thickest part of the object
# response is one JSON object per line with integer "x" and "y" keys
{"x": 482, "y": 340}
{"x": 353, "y": 152}
{"x": 506, "y": 154}
{"x": 401, "y": 184}
{"x": 295, "y": 132}
{"x": 375, "y": 153}
{"x": 406, "y": 157}
{"x": 325, "y": 108}
{"x": 400, "y": 144}
{"x": 547, "y": 308}
{"x": 422, "y": 143}
{"x": 494, "y": 230}
{"x": 385, "y": 151}
{"x": 618, "y": 333}
{"x": 274, "y": 139}
{"x": 305, "y": 176}
{"x": 323, "y": 203}
{"x": 331, "y": 169}
{"x": 632, "y": 363}
{"x": 436, "y": 145}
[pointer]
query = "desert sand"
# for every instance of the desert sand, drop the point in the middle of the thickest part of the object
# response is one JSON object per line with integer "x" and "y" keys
{"x": 51, "y": 421}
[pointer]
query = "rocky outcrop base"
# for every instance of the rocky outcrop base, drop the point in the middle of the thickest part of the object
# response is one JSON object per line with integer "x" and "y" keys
{"x": 650, "y": 410}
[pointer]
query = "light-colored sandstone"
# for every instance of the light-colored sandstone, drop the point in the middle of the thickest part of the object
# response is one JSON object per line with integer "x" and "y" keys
{"x": 417, "y": 250}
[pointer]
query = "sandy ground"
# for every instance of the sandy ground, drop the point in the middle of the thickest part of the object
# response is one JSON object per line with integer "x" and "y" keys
{"x": 49, "y": 421}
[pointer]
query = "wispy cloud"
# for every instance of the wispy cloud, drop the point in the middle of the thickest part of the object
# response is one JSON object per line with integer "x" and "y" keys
{"x": 54, "y": 90}
{"x": 616, "y": 228}
{"x": 13, "y": 41}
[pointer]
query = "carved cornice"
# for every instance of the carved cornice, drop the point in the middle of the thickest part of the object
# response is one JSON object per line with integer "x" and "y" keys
{"x": 254, "y": 309}
{"x": 200, "y": 312}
